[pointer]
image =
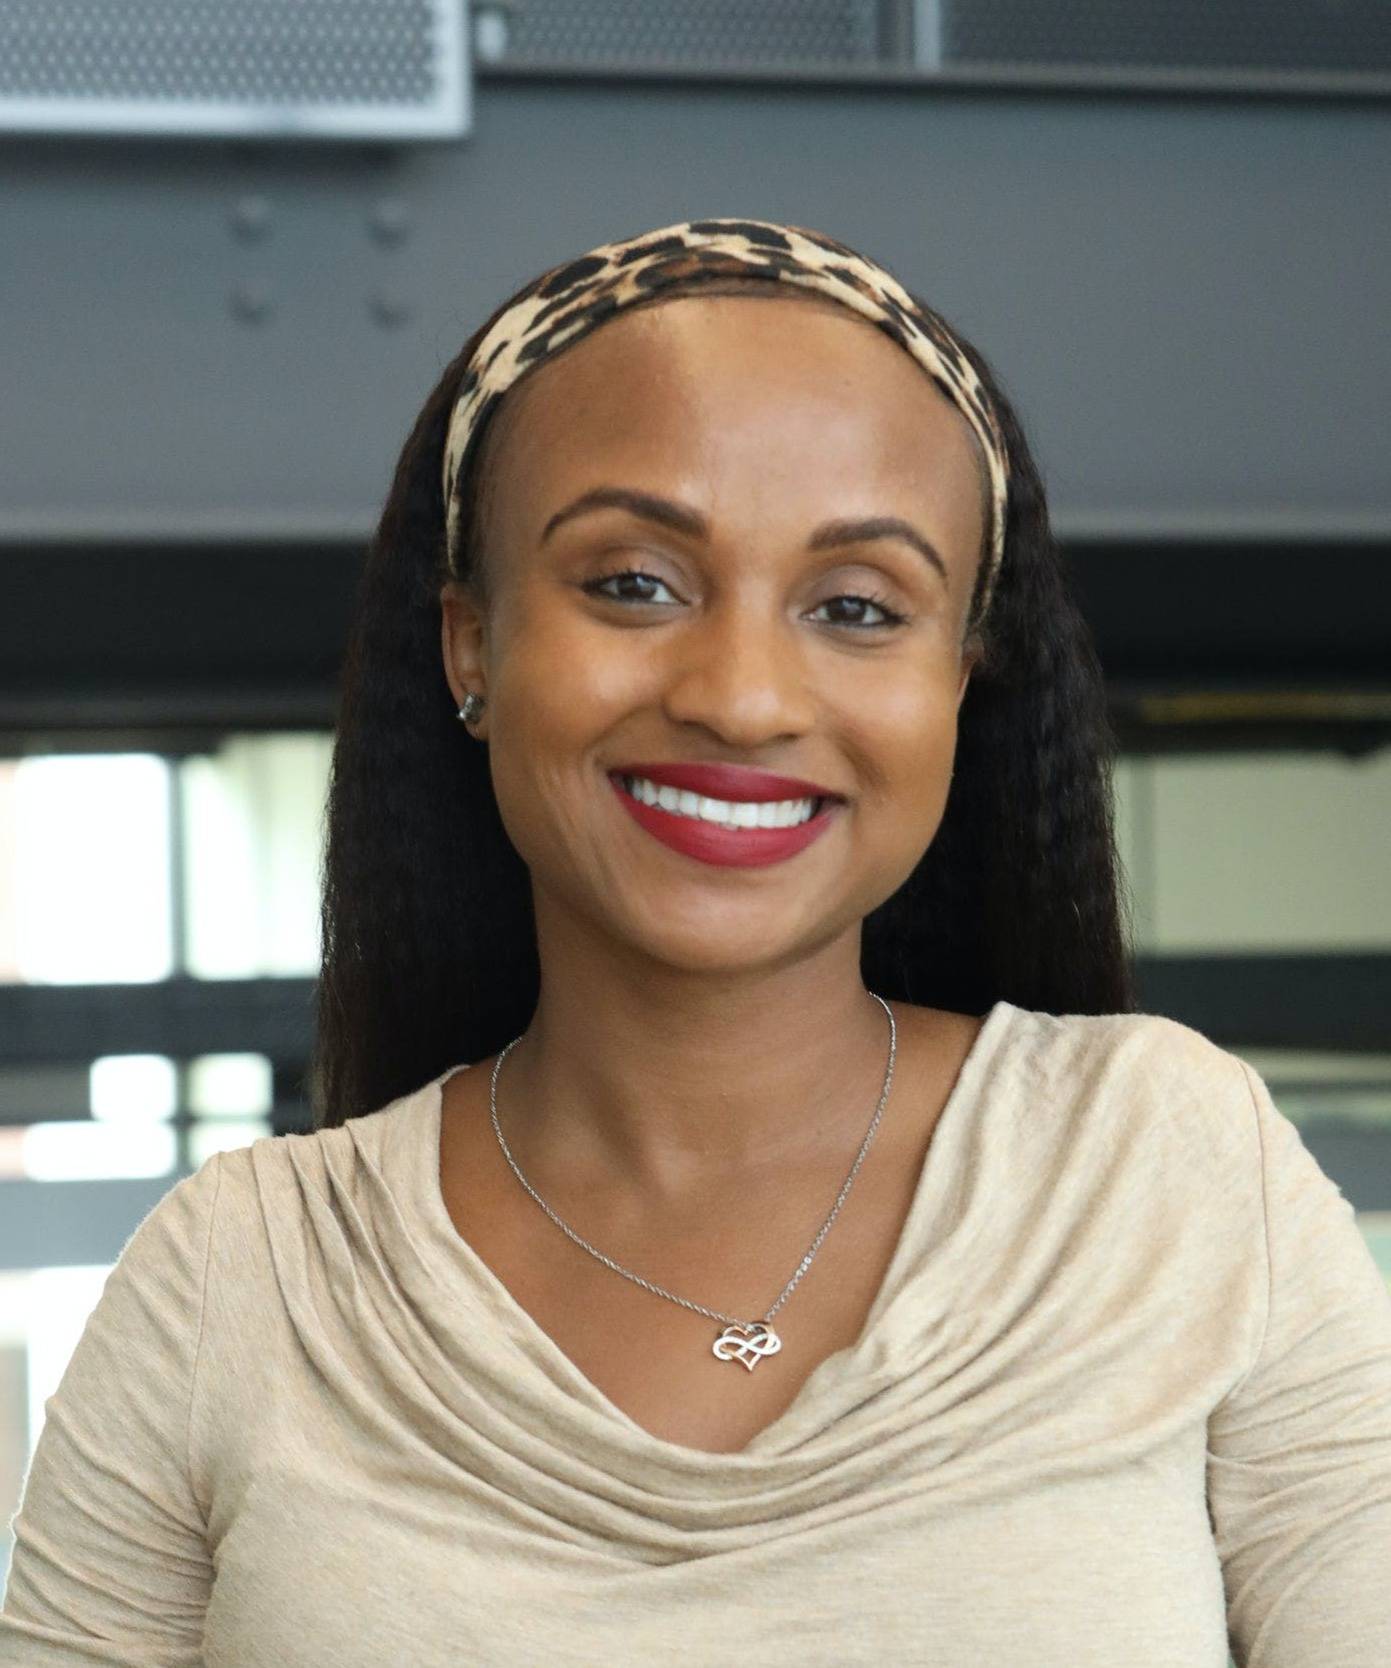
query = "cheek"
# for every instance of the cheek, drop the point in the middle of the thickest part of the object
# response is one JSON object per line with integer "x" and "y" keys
{"x": 906, "y": 733}
{"x": 566, "y": 667}
{"x": 557, "y": 693}
{"x": 907, "y": 765}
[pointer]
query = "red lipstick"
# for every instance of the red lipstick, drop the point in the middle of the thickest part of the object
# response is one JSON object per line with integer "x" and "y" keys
{"x": 713, "y": 843}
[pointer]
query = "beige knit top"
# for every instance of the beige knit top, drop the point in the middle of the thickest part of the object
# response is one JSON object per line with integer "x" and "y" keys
{"x": 1125, "y": 1393}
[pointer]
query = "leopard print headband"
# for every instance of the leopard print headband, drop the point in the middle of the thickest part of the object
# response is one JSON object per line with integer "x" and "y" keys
{"x": 569, "y": 301}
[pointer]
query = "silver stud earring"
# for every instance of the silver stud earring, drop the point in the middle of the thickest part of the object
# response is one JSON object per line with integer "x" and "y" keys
{"x": 473, "y": 705}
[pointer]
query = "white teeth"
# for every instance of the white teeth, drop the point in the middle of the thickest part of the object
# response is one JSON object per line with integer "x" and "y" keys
{"x": 783, "y": 813}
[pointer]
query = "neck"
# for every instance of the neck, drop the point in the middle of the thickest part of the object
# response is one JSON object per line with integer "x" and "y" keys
{"x": 662, "y": 1081}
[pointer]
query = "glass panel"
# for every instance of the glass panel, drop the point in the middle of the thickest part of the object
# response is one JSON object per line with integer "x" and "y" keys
{"x": 230, "y": 1085}
{"x": 232, "y": 1095}
{"x": 253, "y": 821}
{"x": 134, "y": 1088}
{"x": 89, "y": 882}
{"x": 1257, "y": 853}
{"x": 9, "y": 904}
{"x": 95, "y": 1151}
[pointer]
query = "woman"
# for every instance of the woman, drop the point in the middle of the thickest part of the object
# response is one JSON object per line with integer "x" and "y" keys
{"x": 896, "y": 1292}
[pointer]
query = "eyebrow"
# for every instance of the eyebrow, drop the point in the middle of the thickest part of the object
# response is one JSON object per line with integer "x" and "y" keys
{"x": 680, "y": 518}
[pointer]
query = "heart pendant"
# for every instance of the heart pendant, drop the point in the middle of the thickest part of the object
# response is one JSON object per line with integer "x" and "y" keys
{"x": 747, "y": 1344}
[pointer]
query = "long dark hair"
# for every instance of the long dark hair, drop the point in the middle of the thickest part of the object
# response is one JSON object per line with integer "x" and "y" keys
{"x": 429, "y": 953}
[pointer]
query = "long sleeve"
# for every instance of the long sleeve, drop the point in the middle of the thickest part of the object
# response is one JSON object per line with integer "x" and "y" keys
{"x": 1299, "y": 1452}
{"x": 110, "y": 1562}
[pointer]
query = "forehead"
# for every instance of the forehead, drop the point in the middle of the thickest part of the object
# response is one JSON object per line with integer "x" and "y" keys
{"x": 778, "y": 403}
{"x": 732, "y": 347}
{"x": 664, "y": 328}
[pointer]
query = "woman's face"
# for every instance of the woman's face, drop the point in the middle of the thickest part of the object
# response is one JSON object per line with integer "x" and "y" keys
{"x": 764, "y": 420}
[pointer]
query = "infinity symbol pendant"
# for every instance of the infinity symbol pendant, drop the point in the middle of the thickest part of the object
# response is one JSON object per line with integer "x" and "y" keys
{"x": 747, "y": 1344}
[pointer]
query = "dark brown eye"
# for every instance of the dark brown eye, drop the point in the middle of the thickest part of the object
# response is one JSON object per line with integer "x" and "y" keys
{"x": 592, "y": 587}
{"x": 891, "y": 615}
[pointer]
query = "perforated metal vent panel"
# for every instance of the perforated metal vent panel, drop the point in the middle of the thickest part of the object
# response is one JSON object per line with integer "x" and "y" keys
{"x": 1342, "y": 35}
{"x": 1314, "y": 45}
{"x": 707, "y": 33}
{"x": 330, "y": 68}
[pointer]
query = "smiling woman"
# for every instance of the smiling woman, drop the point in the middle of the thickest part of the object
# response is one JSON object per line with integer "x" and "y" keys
{"x": 746, "y": 633}
{"x": 746, "y": 1215}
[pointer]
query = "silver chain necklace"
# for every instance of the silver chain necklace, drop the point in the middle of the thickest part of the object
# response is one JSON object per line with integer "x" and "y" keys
{"x": 747, "y": 1342}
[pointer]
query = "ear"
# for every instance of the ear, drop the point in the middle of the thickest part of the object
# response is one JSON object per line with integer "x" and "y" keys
{"x": 969, "y": 658}
{"x": 463, "y": 643}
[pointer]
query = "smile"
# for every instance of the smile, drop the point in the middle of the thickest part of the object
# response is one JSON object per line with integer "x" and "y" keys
{"x": 724, "y": 813}
{"x": 723, "y": 832}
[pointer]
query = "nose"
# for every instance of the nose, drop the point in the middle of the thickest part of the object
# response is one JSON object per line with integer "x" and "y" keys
{"x": 742, "y": 674}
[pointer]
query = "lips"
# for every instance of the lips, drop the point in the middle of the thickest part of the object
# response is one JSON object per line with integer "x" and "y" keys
{"x": 712, "y": 843}
{"x": 739, "y": 783}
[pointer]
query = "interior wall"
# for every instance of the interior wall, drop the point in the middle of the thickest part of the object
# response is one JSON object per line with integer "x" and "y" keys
{"x": 1185, "y": 295}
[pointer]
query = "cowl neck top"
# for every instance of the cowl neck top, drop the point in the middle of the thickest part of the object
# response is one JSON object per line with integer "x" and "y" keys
{"x": 844, "y": 1397}
{"x": 1126, "y": 1385}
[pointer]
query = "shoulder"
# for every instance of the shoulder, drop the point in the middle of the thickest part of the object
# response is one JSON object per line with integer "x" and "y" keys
{"x": 1126, "y": 1078}
{"x": 1144, "y": 1049}
{"x": 1139, "y": 1135}
{"x": 1077, "y": 1061}
{"x": 314, "y": 1186}
{"x": 175, "y": 1232}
